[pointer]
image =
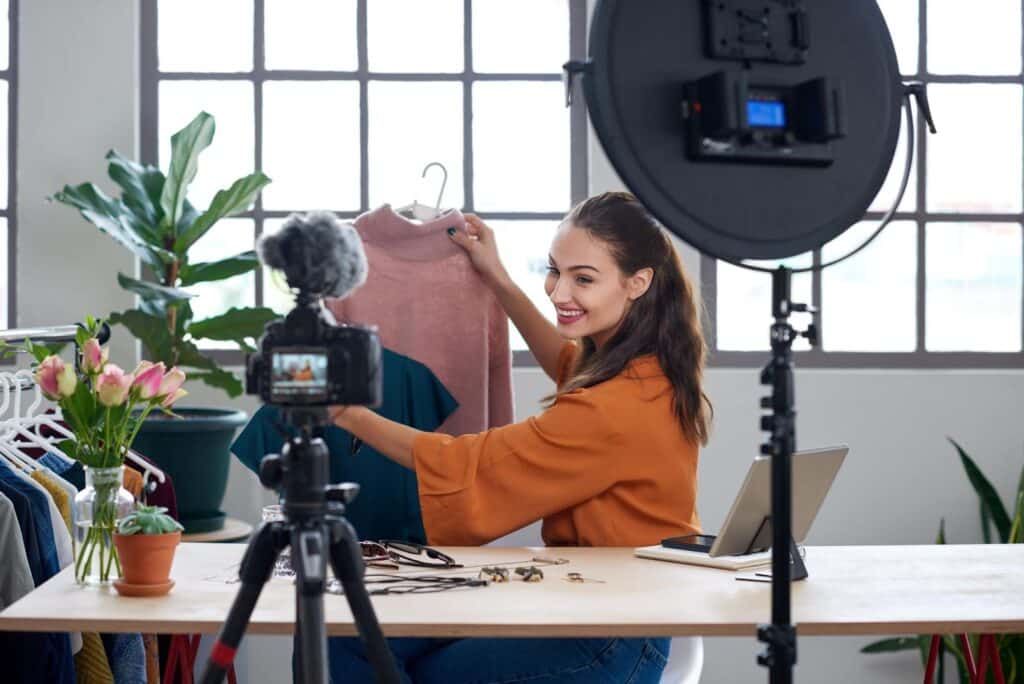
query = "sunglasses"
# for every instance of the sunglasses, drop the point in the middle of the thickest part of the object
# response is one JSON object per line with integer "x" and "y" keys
{"x": 405, "y": 553}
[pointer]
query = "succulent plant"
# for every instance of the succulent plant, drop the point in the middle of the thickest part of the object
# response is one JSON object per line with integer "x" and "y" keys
{"x": 148, "y": 520}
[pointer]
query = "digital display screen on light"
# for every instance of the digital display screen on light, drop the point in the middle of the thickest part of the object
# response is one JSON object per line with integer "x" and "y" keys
{"x": 766, "y": 114}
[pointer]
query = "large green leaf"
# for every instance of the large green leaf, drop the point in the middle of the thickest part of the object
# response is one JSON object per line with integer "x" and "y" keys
{"x": 113, "y": 218}
{"x": 189, "y": 355}
{"x": 225, "y": 203}
{"x": 234, "y": 324}
{"x": 220, "y": 379}
{"x": 219, "y": 270}
{"x": 153, "y": 291}
{"x": 1016, "y": 535}
{"x": 141, "y": 187}
{"x": 986, "y": 492}
{"x": 189, "y": 214}
{"x": 905, "y": 643}
{"x": 186, "y": 145}
{"x": 150, "y": 330}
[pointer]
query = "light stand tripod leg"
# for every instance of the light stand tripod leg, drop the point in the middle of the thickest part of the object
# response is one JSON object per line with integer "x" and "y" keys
{"x": 347, "y": 563}
{"x": 256, "y": 568}
{"x": 780, "y": 635}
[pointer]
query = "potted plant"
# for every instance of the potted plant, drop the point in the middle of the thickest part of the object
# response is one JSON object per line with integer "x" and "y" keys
{"x": 104, "y": 407}
{"x": 155, "y": 221}
{"x": 145, "y": 541}
{"x": 1008, "y": 524}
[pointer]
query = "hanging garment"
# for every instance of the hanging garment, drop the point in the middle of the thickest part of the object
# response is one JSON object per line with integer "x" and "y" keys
{"x": 133, "y": 483}
{"x": 40, "y": 657}
{"x": 387, "y": 506}
{"x": 91, "y": 664}
{"x": 127, "y": 657}
{"x": 16, "y": 578}
{"x": 429, "y": 304}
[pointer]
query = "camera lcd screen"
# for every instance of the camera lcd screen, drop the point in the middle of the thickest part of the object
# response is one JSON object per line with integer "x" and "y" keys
{"x": 766, "y": 114}
{"x": 298, "y": 375}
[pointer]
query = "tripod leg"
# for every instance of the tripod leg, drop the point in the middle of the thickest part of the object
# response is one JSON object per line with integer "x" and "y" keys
{"x": 256, "y": 568}
{"x": 310, "y": 567}
{"x": 347, "y": 563}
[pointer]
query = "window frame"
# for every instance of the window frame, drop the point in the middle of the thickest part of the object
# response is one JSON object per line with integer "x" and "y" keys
{"x": 151, "y": 76}
{"x": 920, "y": 358}
{"x": 10, "y": 212}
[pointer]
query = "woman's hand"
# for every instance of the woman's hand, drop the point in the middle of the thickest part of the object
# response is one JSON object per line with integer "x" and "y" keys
{"x": 479, "y": 243}
{"x": 338, "y": 415}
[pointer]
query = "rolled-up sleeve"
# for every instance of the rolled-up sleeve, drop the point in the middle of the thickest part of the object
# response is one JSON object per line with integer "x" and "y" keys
{"x": 476, "y": 488}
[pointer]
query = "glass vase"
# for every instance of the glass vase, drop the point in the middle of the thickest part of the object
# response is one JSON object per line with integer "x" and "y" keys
{"x": 98, "y": 508}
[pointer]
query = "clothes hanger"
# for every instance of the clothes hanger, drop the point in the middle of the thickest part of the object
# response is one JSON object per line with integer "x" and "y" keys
{"x": 422, "y": 212}
{"x": 8, "y": 446}
{"x": 18, "y": 422}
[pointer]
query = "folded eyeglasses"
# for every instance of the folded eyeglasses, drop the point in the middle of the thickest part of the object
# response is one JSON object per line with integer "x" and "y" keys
{"x": 405, "y": 553}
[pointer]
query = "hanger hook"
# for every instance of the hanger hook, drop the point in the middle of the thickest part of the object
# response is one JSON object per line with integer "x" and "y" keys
{"x": 444, "y": 180}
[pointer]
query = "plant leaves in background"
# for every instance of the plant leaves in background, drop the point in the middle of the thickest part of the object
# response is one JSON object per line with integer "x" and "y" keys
{"x": 986, "y": 492}
{"x": 904, "y": 643}
{"x": 234, "y": 324}
{"x": 220, "y": 379}
{"x": 141, "y": 187}
{"x": 225, "y": 203}
{"x": 219, "y": 270}
{"x": 186, "y": 145}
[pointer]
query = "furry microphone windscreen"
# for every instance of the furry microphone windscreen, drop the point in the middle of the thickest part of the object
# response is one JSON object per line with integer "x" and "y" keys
{"x": 318, "y": 253}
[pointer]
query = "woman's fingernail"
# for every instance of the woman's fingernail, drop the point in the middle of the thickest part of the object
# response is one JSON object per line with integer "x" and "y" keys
{"x": 451, "y": 231}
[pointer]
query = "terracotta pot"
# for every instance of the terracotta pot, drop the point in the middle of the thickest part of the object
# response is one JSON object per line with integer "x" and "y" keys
{"x": 146, "y": 558}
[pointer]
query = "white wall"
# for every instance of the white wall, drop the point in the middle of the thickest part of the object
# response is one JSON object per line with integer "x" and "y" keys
{"x": 78, "y": 98}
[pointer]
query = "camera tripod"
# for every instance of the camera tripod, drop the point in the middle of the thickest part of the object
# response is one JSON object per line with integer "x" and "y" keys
{"x": 316, "y": 530}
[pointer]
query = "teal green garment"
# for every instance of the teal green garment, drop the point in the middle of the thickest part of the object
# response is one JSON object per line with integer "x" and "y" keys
{"x": 388, "y": 505}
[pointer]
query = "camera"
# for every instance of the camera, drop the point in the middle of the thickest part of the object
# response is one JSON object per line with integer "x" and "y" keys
{"x": 305, "y": 359}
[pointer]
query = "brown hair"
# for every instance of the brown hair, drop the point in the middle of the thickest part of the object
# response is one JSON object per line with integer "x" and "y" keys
{"x": 664, "y": 321}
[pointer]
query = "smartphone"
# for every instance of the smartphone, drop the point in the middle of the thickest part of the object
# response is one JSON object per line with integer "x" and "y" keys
{"x": 690, "y": 542}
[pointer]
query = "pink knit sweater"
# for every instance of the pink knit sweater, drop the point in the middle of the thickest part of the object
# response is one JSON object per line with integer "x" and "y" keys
{"x": 429, "y": 304}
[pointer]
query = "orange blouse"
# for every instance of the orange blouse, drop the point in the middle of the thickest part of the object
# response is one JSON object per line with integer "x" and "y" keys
{"x": 608, "y": 465}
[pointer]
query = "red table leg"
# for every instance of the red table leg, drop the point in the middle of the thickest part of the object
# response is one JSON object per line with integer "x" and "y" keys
{"x": 933, "y": 654}
{"x": 988, "y": 651}
{"x": 965, "y": 644}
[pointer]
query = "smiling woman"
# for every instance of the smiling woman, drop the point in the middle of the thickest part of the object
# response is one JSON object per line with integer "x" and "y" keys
{"x": 611, "y": 461}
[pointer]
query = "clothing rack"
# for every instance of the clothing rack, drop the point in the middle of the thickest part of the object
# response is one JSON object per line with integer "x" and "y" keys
{"x": 27, "y": 421}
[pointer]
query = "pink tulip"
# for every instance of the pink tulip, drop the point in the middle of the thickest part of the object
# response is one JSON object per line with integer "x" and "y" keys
{"x": 173, "y": 379}
{"x": 93, "y": 356}
{"x": 171, "y": 398}
{"x": 55, "y": 378}
{"x": 112, "y": 385}
{"x": 67, "y": 381}
{"x": 148, "y": 377}
{"x": 143, "y": 365}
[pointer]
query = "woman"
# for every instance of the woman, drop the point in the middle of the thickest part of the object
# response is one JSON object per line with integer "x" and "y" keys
{"x": 612, "y": 461}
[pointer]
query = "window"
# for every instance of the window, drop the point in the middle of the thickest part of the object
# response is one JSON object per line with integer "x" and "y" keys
{"x": 942, "y": 286}
{"x": 8, "y": 121}
{"x": 344, "y": 102}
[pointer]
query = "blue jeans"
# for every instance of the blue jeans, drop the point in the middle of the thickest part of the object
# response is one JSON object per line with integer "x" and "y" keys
{"x": 505, "y": 661}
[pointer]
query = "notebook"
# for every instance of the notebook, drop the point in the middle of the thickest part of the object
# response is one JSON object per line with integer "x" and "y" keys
{"x": 744, "y": 562}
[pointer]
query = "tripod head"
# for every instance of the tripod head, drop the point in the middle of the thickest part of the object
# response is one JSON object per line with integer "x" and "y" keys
{"x": 300, "y": 471}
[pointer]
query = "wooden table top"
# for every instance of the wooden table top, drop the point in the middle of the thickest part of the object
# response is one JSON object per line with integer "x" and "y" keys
{"x": 862, "y": 590}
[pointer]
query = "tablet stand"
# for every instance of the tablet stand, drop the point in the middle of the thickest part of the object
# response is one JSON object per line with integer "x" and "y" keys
{"x": 797, "y": 569}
